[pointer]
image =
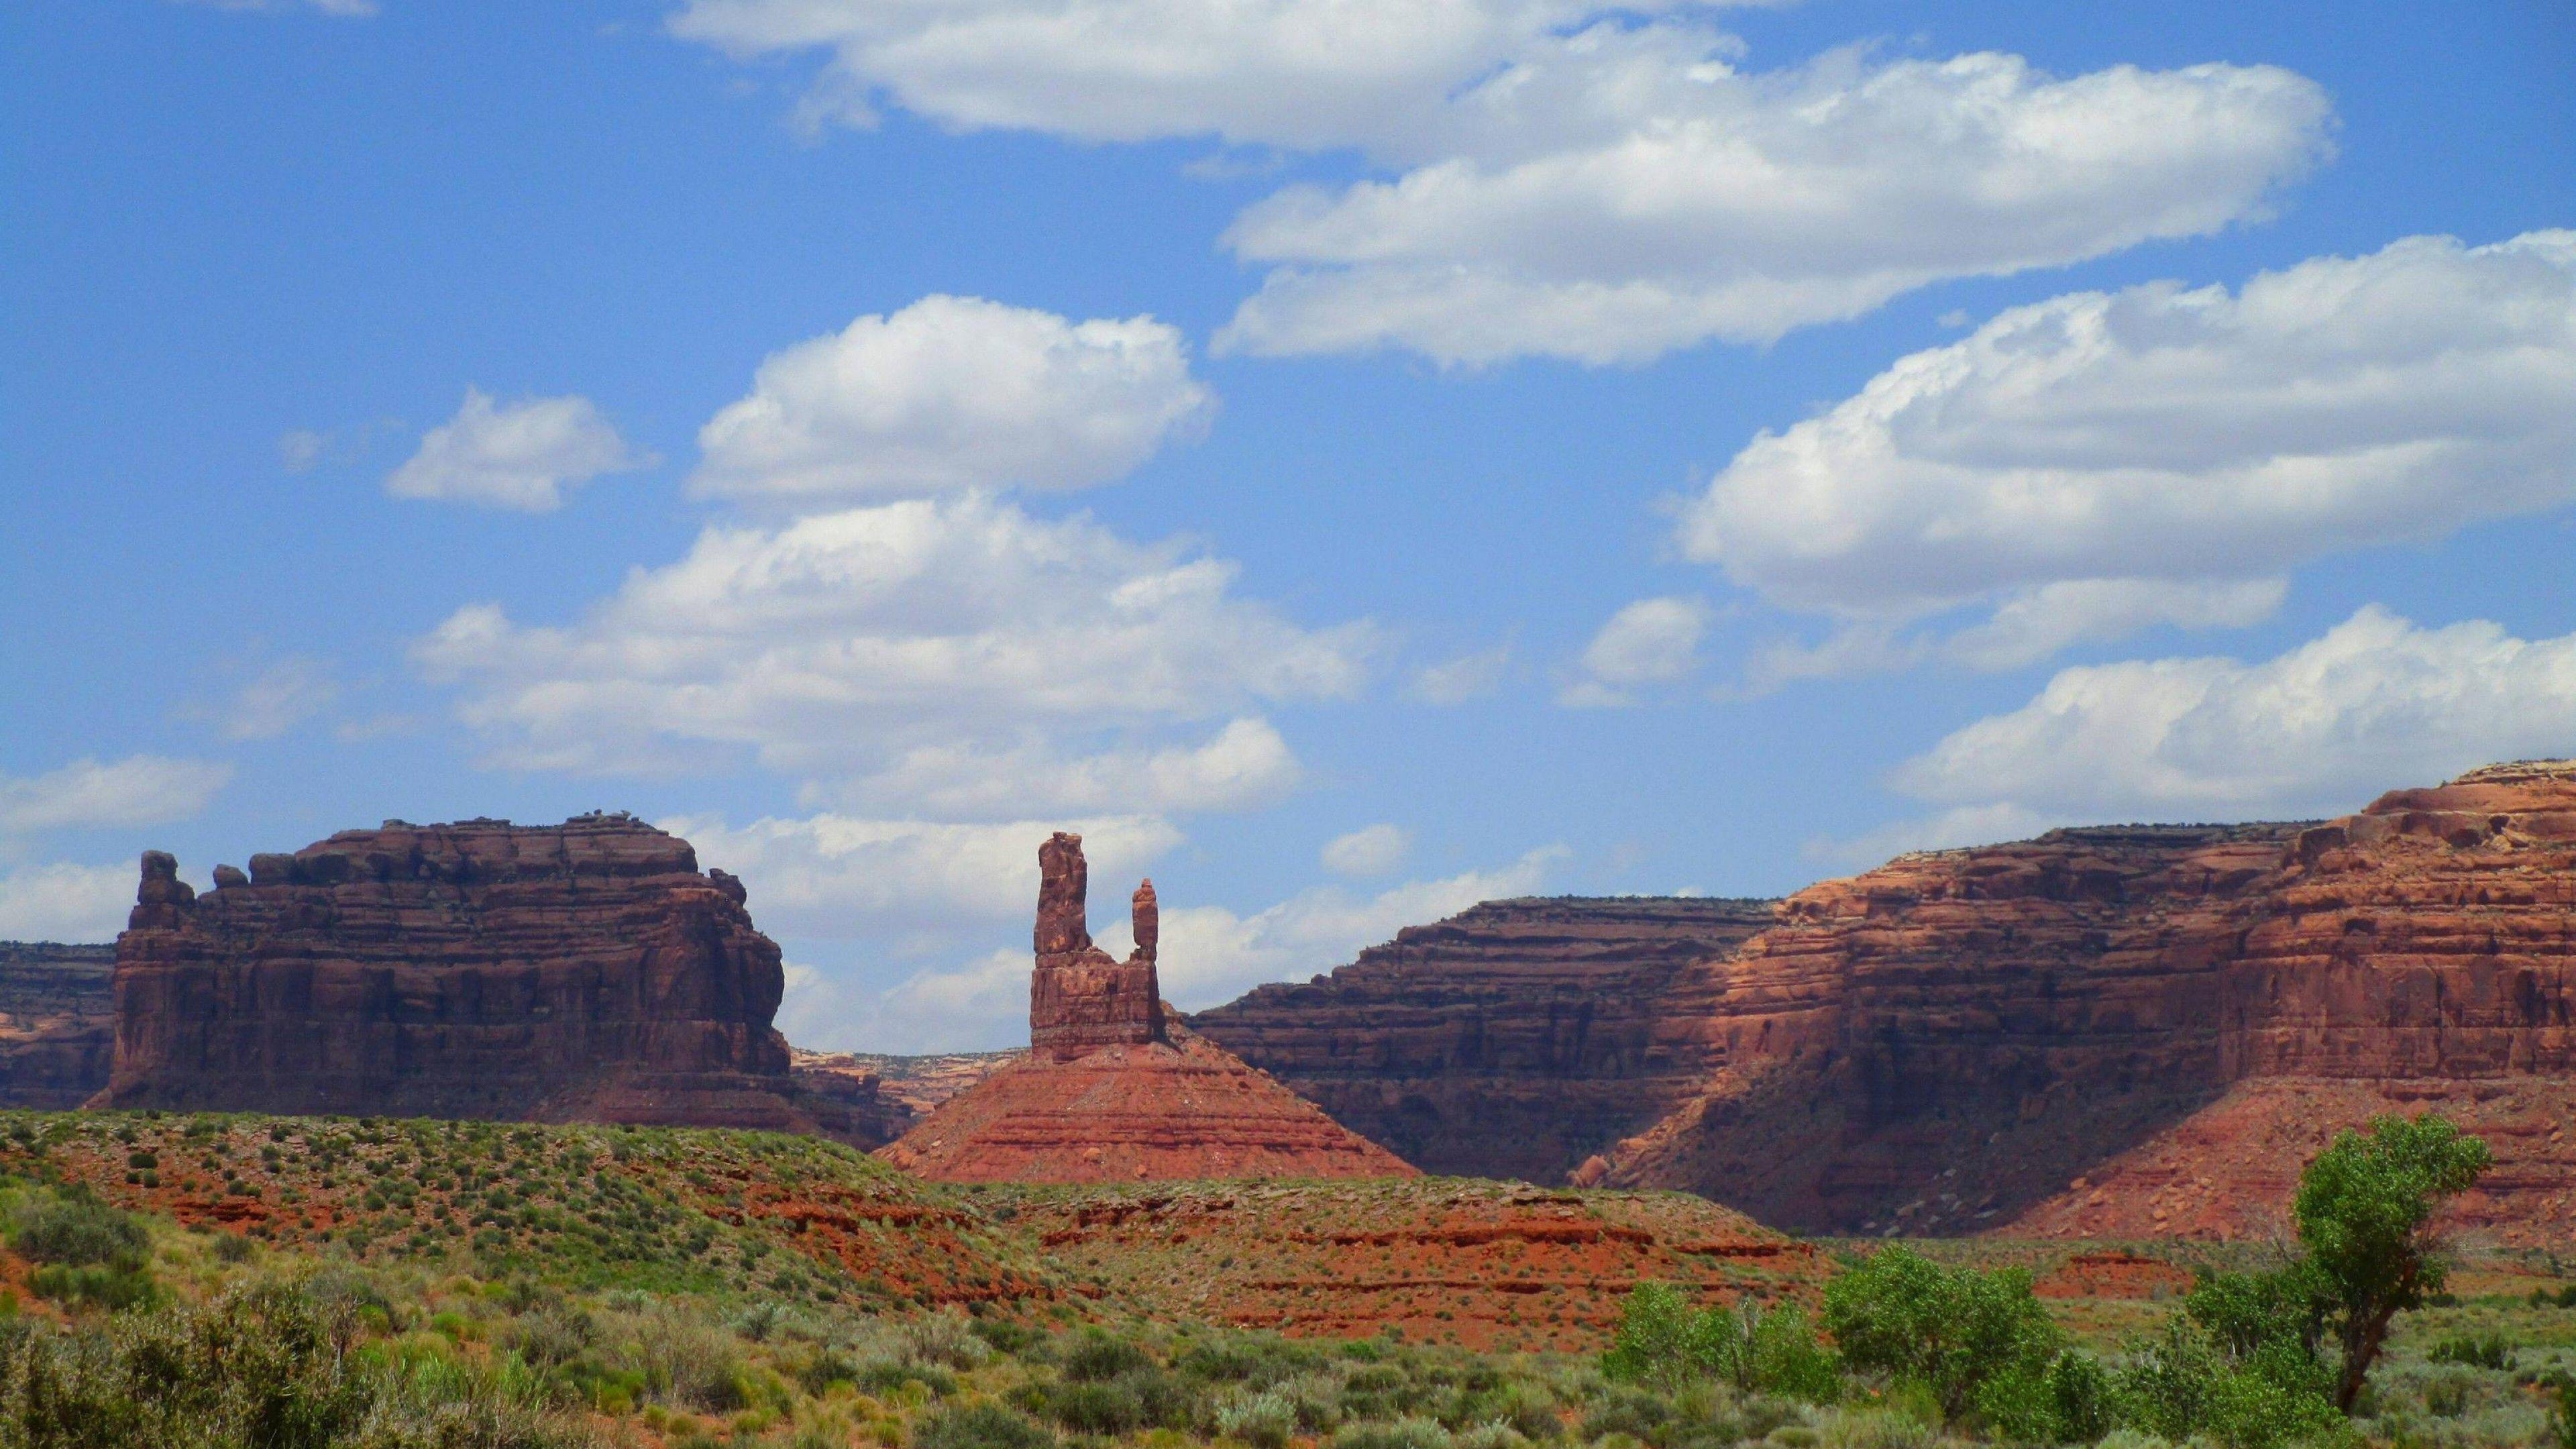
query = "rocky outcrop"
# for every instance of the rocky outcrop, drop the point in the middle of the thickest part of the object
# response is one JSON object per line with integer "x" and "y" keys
{"x": 1110, "y": 1090}
{"x": 2048, "y": 1035}
{"x": 585, "y": 971}
{"x": 1081, "y": 999}
{"x": 1512, "y": 1040}
{"x": 847, "y": 1098}
{"x": 57, "y": 1026}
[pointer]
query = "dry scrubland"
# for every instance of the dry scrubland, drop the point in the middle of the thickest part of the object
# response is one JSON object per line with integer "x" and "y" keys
{"x": 246, "y": 1280}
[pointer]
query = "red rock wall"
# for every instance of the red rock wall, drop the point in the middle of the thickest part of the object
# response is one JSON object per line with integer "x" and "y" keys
{"x": 57, "y": 1025}
{"x": 482, "y": 969}
{"x": 1950, "y": 1036}
{"x": 1969, "y": 1040}
{"x": 1512, "y": 1040}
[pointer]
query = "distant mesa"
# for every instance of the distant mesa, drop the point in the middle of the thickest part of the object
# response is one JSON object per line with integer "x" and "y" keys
{"x": 1113, "y": 1090}
{"x": 587, "y": 971}
{"x": 2109, "y": 1032}
{"x": 57, "y": 1023}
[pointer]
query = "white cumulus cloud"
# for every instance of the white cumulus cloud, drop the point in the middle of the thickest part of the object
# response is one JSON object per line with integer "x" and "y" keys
{"x": 1651, "y": 641}
{"x": 63, "y": 902}
{"x": 2101, "y": 462}
{"x": 876, "y": 639}
{"x": 1469, "y": 676}
{"x": 92, "y": 794}
{"x": 1576, "y": 180}
{"x": 2374, "y": 703}
{"x": 522, "y": 455}
{"x": 846, "y": 876}
{"x": 952, "y": 393}
{"x": 1372, "y": 850}
{"x": 1243, "y": 765}
{"x": 1626, "y": 190}
{"x": 1309, "y": 74}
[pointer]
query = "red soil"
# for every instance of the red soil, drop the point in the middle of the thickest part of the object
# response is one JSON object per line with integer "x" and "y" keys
{"x": 1155, "y": 1112}
{"x": 1483, "y": 1264}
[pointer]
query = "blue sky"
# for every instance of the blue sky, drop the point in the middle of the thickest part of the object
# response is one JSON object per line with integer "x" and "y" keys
{"x": 1348, "y": 460}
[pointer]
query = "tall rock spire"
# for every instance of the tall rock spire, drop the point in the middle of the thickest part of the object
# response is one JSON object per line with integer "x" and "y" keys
{"x": 1080, "y": 998}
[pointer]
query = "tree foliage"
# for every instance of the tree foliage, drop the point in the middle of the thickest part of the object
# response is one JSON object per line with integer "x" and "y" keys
{"x": 1954, "y": 1329}
{"x": 2365, "y": 1212}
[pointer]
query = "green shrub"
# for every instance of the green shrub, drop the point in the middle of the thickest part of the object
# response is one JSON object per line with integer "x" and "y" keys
{"x": 1265, "y": 1420}
{"x": 1406, "y": 1433}
{"x": 1875, "y": 1429}
{"x": 981, "y": 1426}
{"x": 1004, "y": 1336}
{"x": 2067, "y": 1400}
{"x": 884, "y": 1377}
{"x": 2186, "y": 1383}
{"x": 78, "y": 1231}
{"x": 1782, "y": 1357}
{"x": 1097, "y": 1355}
{"x": 114, "y": 1289}
{"x": 1661, "y": 1340}
{"x": 1905, "y": 1316}
{"x": 1096, "y": 1408}
{"x": 1633, "y": 1412}
{"x": 2474, "y": 1350}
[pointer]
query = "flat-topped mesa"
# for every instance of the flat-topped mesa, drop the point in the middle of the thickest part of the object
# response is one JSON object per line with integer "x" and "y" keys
{"x": 585, "y": 971}
{"x": 1080, "y": 998}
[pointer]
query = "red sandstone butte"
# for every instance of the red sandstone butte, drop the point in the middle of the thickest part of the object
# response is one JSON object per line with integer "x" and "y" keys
{"x": 1512, "y": 1040}
{"x": 1111, "y": 1090}
{"x": 2146, "y": 1030}
{"x": 585, "y": 971}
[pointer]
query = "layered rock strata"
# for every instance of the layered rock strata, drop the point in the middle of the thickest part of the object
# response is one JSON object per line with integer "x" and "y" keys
{"x": 2043, "y": 1035}
{"x": 586, "y": 971}
{"x": 57, "y": 1023}
{"x": 1512, "y": 1040}
{"x": 1110, "y": 1090}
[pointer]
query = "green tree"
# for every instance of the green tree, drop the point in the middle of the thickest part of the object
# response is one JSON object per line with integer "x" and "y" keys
{"x": 2365, "y": 1213}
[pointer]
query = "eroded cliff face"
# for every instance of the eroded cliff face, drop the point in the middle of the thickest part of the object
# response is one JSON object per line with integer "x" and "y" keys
{"x": 57, "y": 1024}
{"x": 2108, "y": 1031}
{"x": 586, "y": 971}
{"x": 1953, "y": 1035}
{"x": 1512, "y": 1040}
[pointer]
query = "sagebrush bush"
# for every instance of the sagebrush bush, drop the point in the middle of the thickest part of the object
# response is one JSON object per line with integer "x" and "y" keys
{"x": 981, "y": 1426}
{"x": 78, "y": 1231}
{"x": 1265, "y": 1420}
{"x": 1411, "y": 1432}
